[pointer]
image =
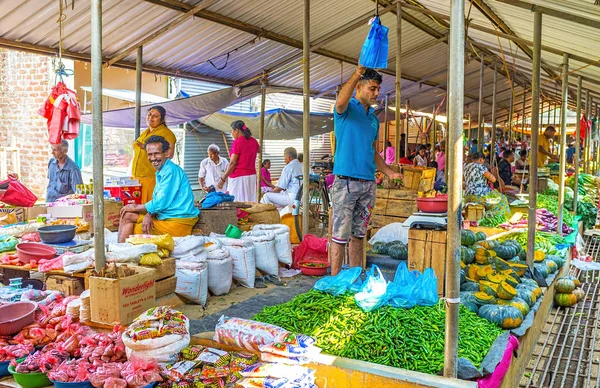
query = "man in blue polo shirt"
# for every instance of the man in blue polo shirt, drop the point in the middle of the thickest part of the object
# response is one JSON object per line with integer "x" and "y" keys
{"x": 353, "y": 193}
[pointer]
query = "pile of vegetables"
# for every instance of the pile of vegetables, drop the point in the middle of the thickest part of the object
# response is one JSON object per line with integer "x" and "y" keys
{"x": 550, "y": 203}
{"x": 587, "y": 200}
{"x": 548, "y": 222}
{"x": 394, "y": 249}
{"x": 567, "y": 291}
{"x": 494, "y": 281}
{"x": 491, "y": 219}
{"x": 405, "y": 338}
{"x": 544, "y": 241}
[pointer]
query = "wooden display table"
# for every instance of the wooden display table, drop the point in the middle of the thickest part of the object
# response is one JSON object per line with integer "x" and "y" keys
{"x": 427, "y": 249}
{"x": 393, "y": 205}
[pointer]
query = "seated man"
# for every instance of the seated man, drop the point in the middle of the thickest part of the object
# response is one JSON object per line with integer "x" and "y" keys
{"x": 212, "y": 169}
{"x": 505, "y": 173}
{"x": 288, "y": 181}
{"x": 171, "y": 210}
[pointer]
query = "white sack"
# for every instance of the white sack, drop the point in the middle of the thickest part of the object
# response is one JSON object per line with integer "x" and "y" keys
{"x": 78, "y": 262}
{"x": 243, "y": 254}
{"x": 265, "y": 251}
{"x": 283, "y": 245}
{"x": 164, "y": 355}
{"x": 126, "y": 252}
{"x": 184, "y": 245}
{"x": 192, "y": 282}
{"x": 220, "y": 271}
{"x": 395, "y": 231}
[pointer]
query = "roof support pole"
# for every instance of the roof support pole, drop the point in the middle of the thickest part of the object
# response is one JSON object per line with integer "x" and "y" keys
{"x": 434, "y": 129}
{"x": 480, "y": 120}
{"x": 456, "y": 85}
{"x": 97, "y": 141}
{"x": 563, "y": 142}
{"x": 138, "y": 92}
{"x": 306, "y": 116}
{"x": 523, "y": 115}
{"x": 597, "y": 148}
{"x": 510, "y": 119}
{"x": 261, "y": 134}
{"x": 588, "y": 113}
{"x": 535, "y": 120}
{"x": 577, "y": 140}
{"x": 385, "y": 126}
{"x": 493, "y": 153}
{"x": 399, "y": 83}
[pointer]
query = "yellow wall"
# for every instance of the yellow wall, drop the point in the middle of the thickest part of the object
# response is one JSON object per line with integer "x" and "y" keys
{"x": 117, "y": 78}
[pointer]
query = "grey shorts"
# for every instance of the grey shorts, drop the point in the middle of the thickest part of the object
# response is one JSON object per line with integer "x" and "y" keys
{"x": 352, "y": 203}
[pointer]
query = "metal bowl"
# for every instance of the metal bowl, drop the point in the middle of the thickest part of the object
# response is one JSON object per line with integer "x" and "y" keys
{"x": 56, "y": 234}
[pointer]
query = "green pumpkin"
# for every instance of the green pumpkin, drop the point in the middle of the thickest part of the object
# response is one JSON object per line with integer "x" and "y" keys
{"x": 522, "y": 254}
{"x": 513, "y": 243}
{"x": 483, "y": 298}
{"x": 564, "y": 286}
{"x": 480, "y": 236}
{"x": 505, "y": 251}
{"x": 516, "y": 302}
{"x": 542, "y": 269}
{"x": 565, "y": 299}
{"x": 551, "y": 265}
{"x": 527, "y": 295}
{"x": 488, "y": 287}
{"x": 377, "y": 247}
{"x": 467, "y": 237}
{"x": 507, "y": 317}
{"x": 501, "y": 265}
{"x": 469, "y": 286}
{"x": 467, "y": 255}
{"x": 530, "y": 282}
{"x": 575, "y": 280}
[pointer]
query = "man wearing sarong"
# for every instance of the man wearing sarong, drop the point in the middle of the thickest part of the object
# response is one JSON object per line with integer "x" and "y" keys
{"x": 171, "y": 210}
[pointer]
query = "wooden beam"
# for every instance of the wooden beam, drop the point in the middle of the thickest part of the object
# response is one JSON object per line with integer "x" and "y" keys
{"x": 535, "y": 6}
{"x": 148, "y": 38}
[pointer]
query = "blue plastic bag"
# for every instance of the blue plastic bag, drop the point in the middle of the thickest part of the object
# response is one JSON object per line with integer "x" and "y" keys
{"x": 425, "y": 291}
{"x": 401, "y": 290}
{"x": 373, "y": 293}
{"x": 374, "y": 53}
{"x": 338, "y": 284}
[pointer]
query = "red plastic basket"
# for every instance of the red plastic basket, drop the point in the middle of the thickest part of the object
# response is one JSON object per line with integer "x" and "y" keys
{"x": 314, "y": 271}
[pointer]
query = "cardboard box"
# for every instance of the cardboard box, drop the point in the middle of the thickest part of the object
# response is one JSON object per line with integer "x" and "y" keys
{"x": 120, "y": 301}
{"x": 86, "y": 213}
{"x": 127, "y": 194}
{"x": 65, "y": 284}
{"x": 166, "y": 286}
{"x": 474, "y": 212}
{"x": 31, "y": 213}
{"x": 11, "y": 215}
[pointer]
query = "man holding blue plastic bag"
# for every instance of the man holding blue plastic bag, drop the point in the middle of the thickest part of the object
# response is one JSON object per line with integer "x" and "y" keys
{"x": 353, "y": 192}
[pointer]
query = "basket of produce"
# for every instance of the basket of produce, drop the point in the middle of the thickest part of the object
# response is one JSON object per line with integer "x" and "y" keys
{"x": 82, "y": 384}
{"x": 31, "y": 379}
{"x": 15, "y": 316}
{"x": 437, "y": 204}
{"x": 34, "y": 251}
{"x": 314, "y": 268}
{"x": 57, "y": 234}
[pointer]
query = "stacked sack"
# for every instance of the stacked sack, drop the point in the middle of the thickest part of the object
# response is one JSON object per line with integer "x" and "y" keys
{"x": 283, "y": 245}
{"x": 164, "y": 243}
{"x": 265, "y": 248}
{"x": 243, "y": 254}
{"x": 159, "y": 334}
{"x": 220, "y": 268}
{"x": 191, "y": 268}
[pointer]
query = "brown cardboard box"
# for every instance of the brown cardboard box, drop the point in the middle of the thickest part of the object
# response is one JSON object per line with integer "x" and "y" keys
{"x": 86, "y": 213}
{"x": 65, "y": 284}
{"x": 31, "y": 213}
{"x": 120, "y": 301}
{"x": 11, "y": 215}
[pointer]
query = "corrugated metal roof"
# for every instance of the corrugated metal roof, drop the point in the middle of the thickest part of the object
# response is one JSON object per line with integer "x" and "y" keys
{"x": 187, "y": 47}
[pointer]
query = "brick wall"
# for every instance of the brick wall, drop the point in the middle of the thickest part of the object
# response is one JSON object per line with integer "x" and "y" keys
{"x": 25, "y": 81}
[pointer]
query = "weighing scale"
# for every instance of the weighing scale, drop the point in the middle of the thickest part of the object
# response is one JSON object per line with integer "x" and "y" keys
{"x": 73, "y": 246}
{"x": 421, "y": 220}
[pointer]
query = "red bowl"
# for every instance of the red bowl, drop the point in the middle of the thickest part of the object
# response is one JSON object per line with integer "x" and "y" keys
{"x": 313, "y": 271}
{"x": 437, "y": 204}
{"x": 34, "y": 251}
{"x": 16, "y": 316}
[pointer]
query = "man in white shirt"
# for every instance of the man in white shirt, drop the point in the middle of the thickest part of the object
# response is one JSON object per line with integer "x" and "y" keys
{"x": 212, "y": 169}
{"x": 288, "y": 185}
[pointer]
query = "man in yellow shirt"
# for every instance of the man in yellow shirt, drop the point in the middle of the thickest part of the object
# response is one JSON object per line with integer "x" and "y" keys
{"x": 544, "y": 147}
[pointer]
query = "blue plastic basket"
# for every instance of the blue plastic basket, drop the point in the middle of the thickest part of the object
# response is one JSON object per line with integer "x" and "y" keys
{"x": 83, "y": 384}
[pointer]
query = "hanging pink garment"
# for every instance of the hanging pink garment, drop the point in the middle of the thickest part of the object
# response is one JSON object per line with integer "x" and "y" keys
{"x": 63, "y": 113}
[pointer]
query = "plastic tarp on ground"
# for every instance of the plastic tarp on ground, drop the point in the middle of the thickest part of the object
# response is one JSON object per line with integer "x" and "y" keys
{"x": 280, "y": 124}
{"x": 185, "y": 109}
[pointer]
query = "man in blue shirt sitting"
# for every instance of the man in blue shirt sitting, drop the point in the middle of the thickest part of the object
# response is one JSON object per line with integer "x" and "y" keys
{"x": 171, "y": 210}
{"x": 288, "y": 185}
{"x": 353, "y": 192}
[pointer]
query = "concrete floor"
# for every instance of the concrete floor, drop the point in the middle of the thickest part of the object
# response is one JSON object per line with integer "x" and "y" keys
{"x": 243, "y": 302}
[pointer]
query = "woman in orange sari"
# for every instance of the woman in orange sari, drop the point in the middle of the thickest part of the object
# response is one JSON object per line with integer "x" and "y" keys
{"x": 141, "y": 169}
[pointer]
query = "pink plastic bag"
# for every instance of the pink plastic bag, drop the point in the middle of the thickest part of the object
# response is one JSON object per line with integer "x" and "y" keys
{"x": 495, "y": 379}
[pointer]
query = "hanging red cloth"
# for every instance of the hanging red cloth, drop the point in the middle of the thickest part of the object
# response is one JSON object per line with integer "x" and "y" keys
{"x": 584, "y": 126}
{"x": 62, "y": 111}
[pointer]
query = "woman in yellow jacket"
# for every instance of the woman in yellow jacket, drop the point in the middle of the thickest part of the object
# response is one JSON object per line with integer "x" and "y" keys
{"x": 142, "y": 170}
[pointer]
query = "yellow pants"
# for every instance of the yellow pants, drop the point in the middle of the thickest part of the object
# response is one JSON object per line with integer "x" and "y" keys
{"x": 176, "y": 227}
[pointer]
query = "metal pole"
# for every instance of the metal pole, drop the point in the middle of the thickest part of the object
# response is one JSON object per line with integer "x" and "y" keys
{"x": 588, "y": 112}
{"x": 261, "y": 134}
{"x": 523, "y": 115}
{"x": 493, "y": 137}
{"x": 138, "y": 92}
{"x": 385, "y": 127}
{"x": 469, "y": 130}
{"x": 563, "y": 143}
{"x": 510, "y": 119}
{"x": 597, "y": 142}
{"x": 407, "y": 128}
{"x": 577, "y": 141}
{"x": 456, "y": 85}
{"x": 480, "y": 120}
{"x": 398, "y": 84}
{"x": 97, "y": 141}
{"x": 306, "y": 116}
{"x": 535, "y": 119}
{"x": 434, "y": 129}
